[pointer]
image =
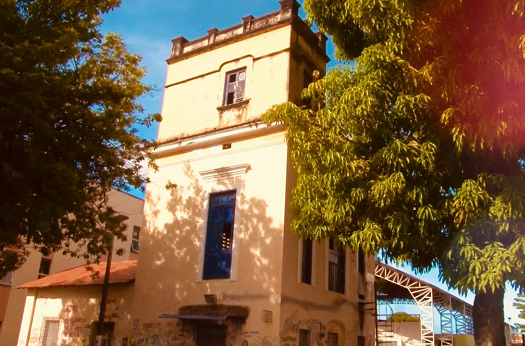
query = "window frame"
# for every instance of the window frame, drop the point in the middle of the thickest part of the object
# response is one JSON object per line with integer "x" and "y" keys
{"x": 235, "y": 99}
{"x": 308, "y": 333}
{"x": 42, "y": 274}
{"x": 135, "y": 239}
{"x": 7, "y": 280}
{"x": 43, "y": 330}
{"x": 300, "y": 263}
{"x": 343, "y": 252}
{"x": 361, "y": 262}
{"x": 217, "y": 180}
{"x": 221, "y": 241}
{"x": 332, "y": 334}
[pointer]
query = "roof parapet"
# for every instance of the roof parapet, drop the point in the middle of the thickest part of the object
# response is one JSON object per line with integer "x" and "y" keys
{"x": 181, "y": 47}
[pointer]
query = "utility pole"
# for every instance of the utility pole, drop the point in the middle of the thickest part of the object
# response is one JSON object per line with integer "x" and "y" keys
{"x": 104, "y": 298}
{"x": 110, "y": 224}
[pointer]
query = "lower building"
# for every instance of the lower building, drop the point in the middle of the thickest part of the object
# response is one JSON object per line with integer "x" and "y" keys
{"x": 63, "y": 308}
{"x": 37, "y": 266}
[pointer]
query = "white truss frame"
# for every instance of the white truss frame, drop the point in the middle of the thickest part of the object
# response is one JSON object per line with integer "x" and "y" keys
{"x": 422, "y": 295}
{"x": 426, "y": 297}
{"x": 443, "y": 305}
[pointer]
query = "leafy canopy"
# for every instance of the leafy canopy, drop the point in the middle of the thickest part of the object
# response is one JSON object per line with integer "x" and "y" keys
{"x": 417, "y": 150}
{"x": 69, "y": 113}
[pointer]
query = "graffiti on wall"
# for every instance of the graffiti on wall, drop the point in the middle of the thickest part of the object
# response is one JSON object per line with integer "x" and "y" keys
{"x": 169, "y": 333}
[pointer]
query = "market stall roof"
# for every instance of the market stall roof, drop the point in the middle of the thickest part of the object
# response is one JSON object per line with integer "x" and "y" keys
{"x": 86, "y": 275}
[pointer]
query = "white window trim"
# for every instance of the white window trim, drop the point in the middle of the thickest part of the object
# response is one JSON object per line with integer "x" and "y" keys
{"x": 300, "y": 263}
{"x": 211, "y": 179}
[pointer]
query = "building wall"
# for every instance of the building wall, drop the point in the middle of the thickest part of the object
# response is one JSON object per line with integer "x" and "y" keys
{"x": 169, "y": 273}
{"x": 4, "y": 297}
{"x": 15, "y": 300}
{"x": 201, "y": 150}
{"x": 75, "y": 307}
{"x": 195, "y": 86}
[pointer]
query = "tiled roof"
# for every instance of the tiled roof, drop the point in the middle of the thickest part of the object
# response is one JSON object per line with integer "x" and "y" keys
{"x": 121, "y": 272}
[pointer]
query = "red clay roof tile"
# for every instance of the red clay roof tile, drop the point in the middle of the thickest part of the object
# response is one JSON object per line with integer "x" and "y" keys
{"x": 121, "y": 272}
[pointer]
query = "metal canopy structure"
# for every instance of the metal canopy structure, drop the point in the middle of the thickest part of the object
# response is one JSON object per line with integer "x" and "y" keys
{"x": 426, "y": 296}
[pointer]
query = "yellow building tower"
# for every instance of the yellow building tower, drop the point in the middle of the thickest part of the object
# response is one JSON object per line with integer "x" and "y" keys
{"x": 218, "y": 263}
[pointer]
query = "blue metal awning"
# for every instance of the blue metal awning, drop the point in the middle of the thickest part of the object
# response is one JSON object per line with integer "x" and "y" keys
{"x": 195, "y": 317}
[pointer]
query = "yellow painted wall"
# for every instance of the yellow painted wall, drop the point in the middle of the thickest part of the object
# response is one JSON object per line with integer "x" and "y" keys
{"x": 191, "y": 106}
{"x": 15, "y": 304}
{"x": 76, "y": 307}
{"x": 167, "y": 273}
{"x": 122, "y": 202}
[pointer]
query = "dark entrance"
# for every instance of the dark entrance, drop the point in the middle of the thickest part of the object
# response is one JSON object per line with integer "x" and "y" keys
{"x": 210, "y": 334}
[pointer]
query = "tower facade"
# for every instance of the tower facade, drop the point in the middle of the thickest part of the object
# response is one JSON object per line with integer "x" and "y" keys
{"x": 218, "y": 263}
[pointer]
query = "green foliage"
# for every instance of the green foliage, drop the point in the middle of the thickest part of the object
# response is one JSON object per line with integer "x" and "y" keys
{"x": 417, "y": 151}
{"x": 69, "y": 111}
{"x": 402, "y": 317}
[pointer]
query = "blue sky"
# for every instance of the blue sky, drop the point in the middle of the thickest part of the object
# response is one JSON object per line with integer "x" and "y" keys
{"x": 148, "y": 26}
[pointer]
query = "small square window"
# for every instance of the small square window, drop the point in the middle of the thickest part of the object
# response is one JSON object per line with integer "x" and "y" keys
{"x": 7, "y": 280}
{"x": 49, "y": 332}
{"x": 234, "y": 89}
{"x": 135, "y": 239}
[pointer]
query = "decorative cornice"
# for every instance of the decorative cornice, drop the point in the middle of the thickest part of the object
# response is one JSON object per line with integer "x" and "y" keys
{"x": 216, "y": 137}
{"x": 225, "y": 172}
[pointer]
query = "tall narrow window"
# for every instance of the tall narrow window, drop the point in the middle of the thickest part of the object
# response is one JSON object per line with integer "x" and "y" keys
{"x": 234, "y": 89}
{"x": 135, "y": 239}
{"x": 306, "y": 262}
{"x": 219, "y": 236}
{"x": 361, "y": 261}
{"x": 45, "y": 267}
{"x": 336, "y": 267}
{"x": 50, "y": 332}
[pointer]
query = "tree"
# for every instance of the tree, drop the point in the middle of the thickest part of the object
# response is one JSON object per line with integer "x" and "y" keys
{"x": 417, "y": 150}
{"x": 69, "y": 112}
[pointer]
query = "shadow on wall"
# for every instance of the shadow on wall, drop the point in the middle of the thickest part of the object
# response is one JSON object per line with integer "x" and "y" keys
{"x": 169, "y": 262}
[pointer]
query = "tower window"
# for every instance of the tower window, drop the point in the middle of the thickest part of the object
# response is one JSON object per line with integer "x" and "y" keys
{"x": 234, "y": 89}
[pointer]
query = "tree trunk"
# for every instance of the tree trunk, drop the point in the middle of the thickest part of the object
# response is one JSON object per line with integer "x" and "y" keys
{"x": 489, "y": 327}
